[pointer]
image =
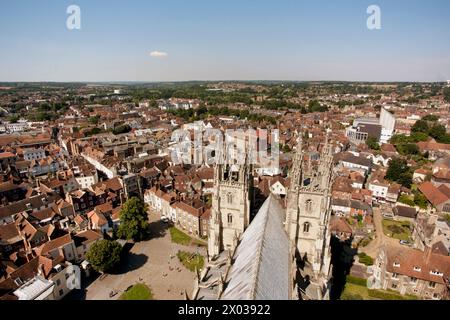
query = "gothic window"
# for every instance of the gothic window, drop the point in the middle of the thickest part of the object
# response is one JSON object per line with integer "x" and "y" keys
{"x": 306, "y": 226}
{"x": 229, "y": 198}
{"x": 230, "y": 218}
{"x": 309, "y": 205}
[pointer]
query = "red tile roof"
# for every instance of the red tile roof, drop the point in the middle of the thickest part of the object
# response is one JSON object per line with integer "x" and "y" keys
{"x": 433, "y": 194}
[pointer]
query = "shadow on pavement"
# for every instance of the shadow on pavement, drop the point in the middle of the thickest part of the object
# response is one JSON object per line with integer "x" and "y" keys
{"x": 130, "y": 262}
{"x": 158, "y": 229}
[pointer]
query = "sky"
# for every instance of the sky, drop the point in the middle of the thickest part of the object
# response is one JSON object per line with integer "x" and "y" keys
{"x": 181, "y": 40}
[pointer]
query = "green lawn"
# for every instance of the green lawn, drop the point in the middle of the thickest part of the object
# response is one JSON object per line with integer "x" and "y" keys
{"x": 137, "y": 292}
{"x": 182, "y": 238}
{"x": 355, "y": 291}
{"x": 191, "y": 260}
{"x": 179, "y": 237}
{"x": 397, "y": 229}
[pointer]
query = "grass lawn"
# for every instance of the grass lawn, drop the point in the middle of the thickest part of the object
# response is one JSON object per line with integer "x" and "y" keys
{"x": 354, "y": 291}
{"x": 179, "y": 237}
{"x": 137, "y": 292}
{"x": 397, "y": 229}
{"x": 191, "y": 260}
{"x": 182, "y": 238}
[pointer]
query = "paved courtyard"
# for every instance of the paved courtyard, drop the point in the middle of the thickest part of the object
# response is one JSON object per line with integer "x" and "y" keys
{"x": 373, "y": 248}
{"x": 152, "y": 262}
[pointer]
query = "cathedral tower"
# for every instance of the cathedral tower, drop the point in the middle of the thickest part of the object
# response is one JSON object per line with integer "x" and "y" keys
{"x": 308, "y": 214}
{"x": 231, "y": 205}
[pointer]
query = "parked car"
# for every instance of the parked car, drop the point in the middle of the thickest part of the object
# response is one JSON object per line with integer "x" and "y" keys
{"x": 405, "y": 243}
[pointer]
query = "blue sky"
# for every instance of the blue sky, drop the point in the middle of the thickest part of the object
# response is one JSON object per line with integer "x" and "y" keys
{"x": 225, "y": 40}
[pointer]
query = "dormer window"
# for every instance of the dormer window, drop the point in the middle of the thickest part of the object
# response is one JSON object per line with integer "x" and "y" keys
{"x": 418, "y": 269}
{"x": 396, "y": 264}
{"x": 436, "y": 273}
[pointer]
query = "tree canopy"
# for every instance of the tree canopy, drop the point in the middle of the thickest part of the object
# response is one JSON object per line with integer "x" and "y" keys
{"x": 104, "y": 255}
{"x": 133, "y": 220}
{"x": 372, "y": 143}
{"x": 399, "y": 171}
{"x": 447, "y": 94}
{"x": 420, "y": 126}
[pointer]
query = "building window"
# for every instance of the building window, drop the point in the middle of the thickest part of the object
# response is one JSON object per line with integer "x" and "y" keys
{"x": 308, "y": 205}
{"x": 306, "y": 226}
{"x": 432, "y": 284}
{"x": 67, "y": 276}
{"x": 394, "y": 275}
{"x": 61, "y": 292}
{"x": 58, "y": 282}
{"x": 229, "y": 198}
{"x": 394, "y": 286}
{"x": 413, "y": 280}
{"x": 230, "y": 218}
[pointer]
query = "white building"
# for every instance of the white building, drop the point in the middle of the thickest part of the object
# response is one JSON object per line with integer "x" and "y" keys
{"x": 19, "y": 126}
{"x": 379, "y": 190}
{"x": 85, "y": 179}
{"x": 38, "y": 288}
{"x": 387, "y": 122}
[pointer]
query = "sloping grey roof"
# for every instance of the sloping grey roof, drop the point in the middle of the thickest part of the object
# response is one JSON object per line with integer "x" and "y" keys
{"x": 261, "y": 268}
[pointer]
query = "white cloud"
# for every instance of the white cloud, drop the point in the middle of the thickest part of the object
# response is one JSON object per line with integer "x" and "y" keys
{"x": 158, "y": 54}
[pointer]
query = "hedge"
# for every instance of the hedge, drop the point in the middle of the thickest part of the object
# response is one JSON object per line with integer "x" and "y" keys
{"x": 365, "y": 259}
{"x": 389, "y": 296}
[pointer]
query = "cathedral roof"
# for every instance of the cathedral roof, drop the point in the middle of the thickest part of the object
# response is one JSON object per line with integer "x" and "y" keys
{"x": 261, "y": 268}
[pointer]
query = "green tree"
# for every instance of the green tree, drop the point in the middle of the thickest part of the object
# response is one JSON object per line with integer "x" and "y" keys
{"x": 122, "y": 129}
{"x": 94, "y": 120}
{"x": 372, "y": 143}
{"x": 420, "y": 200}
{"x": 133, "y": 220}
{"x": 104, "y": 255}
{"x": 286, "y": 148}
{"x": 431, "y": 117}
{"x": 437, "y": 131}
{"x": 447, "y": 94}
{"x": 14, "y": 119}
{"x": 419, "y": 136}
{"x": 409, "y": 148}
{"x": 399, "y": 171}
{"x": 420, "y": 126}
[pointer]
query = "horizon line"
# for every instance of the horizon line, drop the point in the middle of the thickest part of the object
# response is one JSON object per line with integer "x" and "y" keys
{"x": 224, "y": 80}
